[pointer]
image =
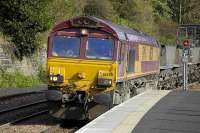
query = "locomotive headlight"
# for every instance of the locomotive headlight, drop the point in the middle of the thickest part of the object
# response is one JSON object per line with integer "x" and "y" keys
{"x": 84, "y": 32}
{"x": 105, "y": 82}
{"x": 56, "y": 78}
{"x": 51, "y": 78}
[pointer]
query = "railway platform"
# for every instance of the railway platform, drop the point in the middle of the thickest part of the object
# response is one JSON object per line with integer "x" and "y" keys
{"x": 154, "y": 111}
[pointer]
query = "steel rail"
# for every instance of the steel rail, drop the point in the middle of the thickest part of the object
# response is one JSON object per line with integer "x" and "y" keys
{"x": 10, "y": 95}
{"x": 22, "y": 106}
{"x": 23, "y": 118}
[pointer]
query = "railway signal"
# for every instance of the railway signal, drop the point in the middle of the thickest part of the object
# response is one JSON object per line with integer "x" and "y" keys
{"x": 186, "y": 43}
{"x": 185, "y": 55}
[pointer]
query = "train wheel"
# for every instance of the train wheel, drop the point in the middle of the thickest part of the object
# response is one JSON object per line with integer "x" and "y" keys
{"x": 86, "y": 109}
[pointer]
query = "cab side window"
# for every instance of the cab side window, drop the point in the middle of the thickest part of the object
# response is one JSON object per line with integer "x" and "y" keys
{"x": 131, "y": 60}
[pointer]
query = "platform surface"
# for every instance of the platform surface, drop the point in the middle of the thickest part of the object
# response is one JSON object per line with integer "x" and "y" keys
{"x": 178, "y": 112}
{"x": 151, "y": 112}
{"x": 126, "y": 116}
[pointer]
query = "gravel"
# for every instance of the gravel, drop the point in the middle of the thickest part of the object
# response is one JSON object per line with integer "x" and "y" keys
{"x": 194, "y": 86}
{"x": 7, "y": 103}
{"x": 32, "y": 125}
{"x": 44, "y": 124}
{"x": 15, "y": 115}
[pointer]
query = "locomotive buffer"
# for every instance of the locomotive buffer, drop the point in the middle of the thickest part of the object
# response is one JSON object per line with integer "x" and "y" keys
{"x": 185, "y": 63}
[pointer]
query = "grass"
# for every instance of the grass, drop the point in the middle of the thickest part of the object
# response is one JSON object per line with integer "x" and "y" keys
{"x": 18, "y": 80}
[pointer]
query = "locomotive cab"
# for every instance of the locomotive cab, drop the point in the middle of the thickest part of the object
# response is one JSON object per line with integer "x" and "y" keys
{"x": 87, "y": 61}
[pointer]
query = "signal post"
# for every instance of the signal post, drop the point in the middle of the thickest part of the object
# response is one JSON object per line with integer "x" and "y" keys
{"x": 186, "y": 48}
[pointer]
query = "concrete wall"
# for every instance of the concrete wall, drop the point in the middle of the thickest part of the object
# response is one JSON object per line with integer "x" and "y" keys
{"x": 28, "y": 66}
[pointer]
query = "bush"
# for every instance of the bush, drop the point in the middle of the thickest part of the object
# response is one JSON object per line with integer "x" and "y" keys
{"x": 42, "y": 74}
{"x": 18, "y": 80}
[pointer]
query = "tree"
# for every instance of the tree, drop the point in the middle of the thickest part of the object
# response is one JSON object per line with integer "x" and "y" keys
{"x": 166, "y": 28}
{"x": 144, "y": 18}
{"x": 125, "y": 9}
{"x": 161, "y": 9}
{"x": 185, "y": 11}
{"x": 102, "y": 9}
{"x": 192, "y": 15}
{"x": 59, "y": 10}
{"x": 21, "y": 21}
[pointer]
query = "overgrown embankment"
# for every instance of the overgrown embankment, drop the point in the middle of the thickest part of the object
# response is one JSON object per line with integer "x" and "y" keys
{"x": 18, "y": 80}
{"x": 21, "y": 74}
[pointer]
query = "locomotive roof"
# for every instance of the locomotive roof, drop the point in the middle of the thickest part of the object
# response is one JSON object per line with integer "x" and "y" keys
{"x": 123, "y": 33}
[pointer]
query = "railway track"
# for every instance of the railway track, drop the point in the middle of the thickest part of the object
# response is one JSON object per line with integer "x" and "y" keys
{"x": 18, "y": 106}
{"x": 7, "y": 125}
{"x": 28, "y": 112}
{"x": 32, "y": 124}
{"x": 14, "y": 101}
{"x": 17, "y": 113}
{"x": 22, "y": 106}
{"x": 71, "y": 126}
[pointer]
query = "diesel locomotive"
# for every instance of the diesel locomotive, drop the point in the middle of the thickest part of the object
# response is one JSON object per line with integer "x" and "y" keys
{"x": 90, "y": 59}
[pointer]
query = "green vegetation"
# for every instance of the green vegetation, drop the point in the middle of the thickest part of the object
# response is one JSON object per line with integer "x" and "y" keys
{"x": 21, "y": 20}
{"x": 42, "y": 74}
{"x": 158, "y": 18}
{"x": 25, "y": 24}
{"x": 18, "y": 80}
{"x": 185, "y": 11}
